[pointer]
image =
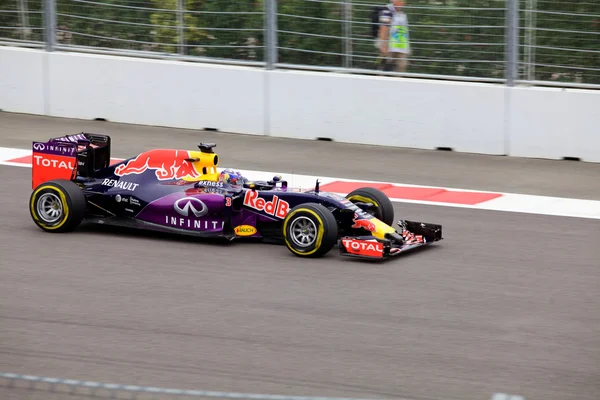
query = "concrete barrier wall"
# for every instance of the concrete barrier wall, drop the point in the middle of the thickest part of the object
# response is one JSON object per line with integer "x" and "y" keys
{"x": 400, "y": 112}
{"x": 426, "y": 114}
{"x": 23, "y": 80}
{"x": 163, "y": 93}
{"x": 554, "y": 123}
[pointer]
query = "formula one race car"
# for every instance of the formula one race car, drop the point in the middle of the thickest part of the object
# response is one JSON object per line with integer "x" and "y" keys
{"x": 182, "y": 191}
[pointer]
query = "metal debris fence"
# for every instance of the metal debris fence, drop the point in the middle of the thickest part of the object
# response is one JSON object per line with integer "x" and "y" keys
{"x": 117, "y": 391}
{"x": 506, "y": 41}
{"x": 462, "y": 38}
{"x": 560, "y": 40}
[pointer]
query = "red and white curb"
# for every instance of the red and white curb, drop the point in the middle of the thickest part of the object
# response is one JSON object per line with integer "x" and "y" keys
{"x": 404, "y": 193}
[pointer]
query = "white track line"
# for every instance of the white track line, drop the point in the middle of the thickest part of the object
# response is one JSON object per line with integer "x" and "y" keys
{"x": 508, "y": 202}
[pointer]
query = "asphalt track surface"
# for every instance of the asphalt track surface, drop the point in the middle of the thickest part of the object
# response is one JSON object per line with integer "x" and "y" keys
{"x": 507, "y": 302}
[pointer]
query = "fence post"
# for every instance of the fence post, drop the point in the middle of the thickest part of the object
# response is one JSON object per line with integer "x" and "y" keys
{"x": 529, "y": 50}
{"x": 24, "y": 19}
{"x": 347, "y": 34}
{"x": 50, "y": 24}
{"x": 271, "y": 33}
{"x": 180, "y": 27}
{"x": 512, "y": 42}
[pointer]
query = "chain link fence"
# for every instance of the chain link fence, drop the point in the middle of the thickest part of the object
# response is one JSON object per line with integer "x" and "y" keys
{"x": 461, "y": 38}
{"x": 209, "y": 28}
{"x": 22, "y": 21}
{"x": 558, "y": 42}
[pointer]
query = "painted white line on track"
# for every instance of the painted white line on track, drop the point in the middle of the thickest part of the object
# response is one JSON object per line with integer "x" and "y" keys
{"x": 507, "y": 202}
{"x": 504, "y": 396}
{"x": 7, "y": 153}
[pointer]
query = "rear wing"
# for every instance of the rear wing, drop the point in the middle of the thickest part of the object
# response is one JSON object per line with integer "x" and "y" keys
{"x": 68, "y": 157}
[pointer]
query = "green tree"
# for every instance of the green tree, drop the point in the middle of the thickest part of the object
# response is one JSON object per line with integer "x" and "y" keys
{"x": 213, "y": 28}
{"x": 11, "y": 20}
{"x": 567, "y": 41}
{"x": 308, "y": 31}
{"x": 119, "y": 24}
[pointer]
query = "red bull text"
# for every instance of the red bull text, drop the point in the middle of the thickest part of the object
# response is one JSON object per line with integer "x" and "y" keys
{"x": 167, "y": 164}
{"x": 276, "y": 207}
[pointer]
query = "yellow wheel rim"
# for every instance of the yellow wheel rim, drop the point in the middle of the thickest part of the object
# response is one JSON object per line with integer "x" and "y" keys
{"x": 49, "y": 200}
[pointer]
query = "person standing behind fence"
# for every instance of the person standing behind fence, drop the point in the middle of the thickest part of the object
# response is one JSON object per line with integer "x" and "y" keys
{"x": 393, "y": 40}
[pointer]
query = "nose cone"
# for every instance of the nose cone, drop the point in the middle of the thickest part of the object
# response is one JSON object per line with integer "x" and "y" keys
{"x": 395, "y": 237}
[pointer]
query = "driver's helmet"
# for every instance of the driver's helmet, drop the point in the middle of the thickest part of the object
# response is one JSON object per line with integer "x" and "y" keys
{"x": 231, "y": 177}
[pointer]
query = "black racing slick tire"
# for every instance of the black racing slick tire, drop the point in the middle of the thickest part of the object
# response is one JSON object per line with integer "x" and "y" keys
{"x": 382, "y": 208}
{"x": 57, "y": 206}
{"x": 310, "y": 230}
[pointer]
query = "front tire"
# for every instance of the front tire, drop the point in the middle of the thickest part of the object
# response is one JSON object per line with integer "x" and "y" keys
{"x": 382, "y": 208}
{"x": 310, "y": 230}
{"x": 57, "y": 206}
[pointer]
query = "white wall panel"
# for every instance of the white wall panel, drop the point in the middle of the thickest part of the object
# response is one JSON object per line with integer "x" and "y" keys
{"x": 554, "y": 123}
{"x": 415, "y": 113}
{"x": 22, "y": 80}
{"x": 401, "y": 112}
{"x": 156, "y": 92}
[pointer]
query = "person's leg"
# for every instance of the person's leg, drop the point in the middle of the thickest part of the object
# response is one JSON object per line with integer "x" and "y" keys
{"x": 400, "y": 62}
{"x": 384, "y": 62}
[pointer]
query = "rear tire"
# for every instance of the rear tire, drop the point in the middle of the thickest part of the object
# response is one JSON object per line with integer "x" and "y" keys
{"x": 310, "y": 230}
{"x": 382, "y": 206}
{"x": 57, "y": 206}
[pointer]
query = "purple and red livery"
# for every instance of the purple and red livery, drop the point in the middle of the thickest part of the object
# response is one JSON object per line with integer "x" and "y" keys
{"x": 182, "y": 191}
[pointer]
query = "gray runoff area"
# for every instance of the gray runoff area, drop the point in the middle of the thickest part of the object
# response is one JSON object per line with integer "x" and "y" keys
{"x": 506, "y": 303}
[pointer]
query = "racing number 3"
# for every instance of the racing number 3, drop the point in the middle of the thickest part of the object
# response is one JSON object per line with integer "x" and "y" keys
{"x": 228, "y": 202}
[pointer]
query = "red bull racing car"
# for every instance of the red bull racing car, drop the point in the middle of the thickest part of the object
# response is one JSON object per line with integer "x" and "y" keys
{"x": 182, "y": 191}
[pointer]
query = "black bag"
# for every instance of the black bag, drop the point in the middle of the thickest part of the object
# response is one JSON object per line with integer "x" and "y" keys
{"x": 375, "y": 20}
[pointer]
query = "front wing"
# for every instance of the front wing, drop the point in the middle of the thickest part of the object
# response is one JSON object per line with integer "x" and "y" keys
{"x": 414, "y": 235}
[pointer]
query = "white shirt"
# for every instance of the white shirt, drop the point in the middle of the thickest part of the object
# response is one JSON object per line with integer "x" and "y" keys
{"x": 398, "y": 40}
